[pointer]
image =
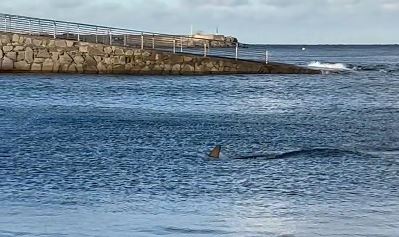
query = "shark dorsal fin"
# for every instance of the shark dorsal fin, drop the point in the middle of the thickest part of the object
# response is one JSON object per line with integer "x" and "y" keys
{"x": 215, "y": 153}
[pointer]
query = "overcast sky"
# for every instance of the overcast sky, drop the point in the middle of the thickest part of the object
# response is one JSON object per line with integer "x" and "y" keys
{"x": 252, "y": 21}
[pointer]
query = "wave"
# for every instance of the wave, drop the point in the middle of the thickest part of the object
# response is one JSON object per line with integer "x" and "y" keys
{"x": 383, "y": 68}
{"x": 309, "y": 152}
{"x": 319, "y": 151}
{"x": 329, "y": 66}
{"x": 341, "y": 67}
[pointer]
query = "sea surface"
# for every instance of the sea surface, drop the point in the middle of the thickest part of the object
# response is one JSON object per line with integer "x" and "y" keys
{"x": 99, "y": 156}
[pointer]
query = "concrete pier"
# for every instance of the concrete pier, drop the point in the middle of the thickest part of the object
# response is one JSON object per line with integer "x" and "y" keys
{"x": 24, "y": 53}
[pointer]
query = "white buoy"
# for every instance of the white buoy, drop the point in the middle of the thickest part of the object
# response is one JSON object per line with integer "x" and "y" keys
{"x": 303, "y": 49}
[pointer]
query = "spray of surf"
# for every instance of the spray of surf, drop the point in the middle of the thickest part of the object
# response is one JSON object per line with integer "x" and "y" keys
{"x": 329, "y": 66}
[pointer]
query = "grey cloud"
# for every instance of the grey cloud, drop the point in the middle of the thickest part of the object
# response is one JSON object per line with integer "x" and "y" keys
{"x": 214, "y": 3}
{"x": 66, "y": 4}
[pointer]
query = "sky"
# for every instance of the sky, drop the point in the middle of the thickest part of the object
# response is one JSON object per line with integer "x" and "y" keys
{"x": 251, "y": 21}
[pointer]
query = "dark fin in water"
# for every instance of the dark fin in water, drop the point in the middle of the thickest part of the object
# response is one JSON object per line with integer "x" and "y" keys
{"x": 215, "y": 153}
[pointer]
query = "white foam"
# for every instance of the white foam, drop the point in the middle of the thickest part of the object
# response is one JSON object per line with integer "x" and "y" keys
{"x": 329, "y": 66}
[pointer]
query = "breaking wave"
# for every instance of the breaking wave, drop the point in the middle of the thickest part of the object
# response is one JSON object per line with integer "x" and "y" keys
{"x": 329, "y": 66}
{"x": 341, "y": 67}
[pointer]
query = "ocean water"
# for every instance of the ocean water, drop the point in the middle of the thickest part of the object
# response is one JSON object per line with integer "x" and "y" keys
{"x": 88, "y": 155}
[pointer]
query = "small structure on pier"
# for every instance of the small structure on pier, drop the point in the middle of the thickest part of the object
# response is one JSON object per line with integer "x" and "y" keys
{"x": 216, "y": 40}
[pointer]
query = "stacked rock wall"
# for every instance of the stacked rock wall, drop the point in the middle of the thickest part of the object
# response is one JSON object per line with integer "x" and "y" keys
{"x": 20, "y": 53}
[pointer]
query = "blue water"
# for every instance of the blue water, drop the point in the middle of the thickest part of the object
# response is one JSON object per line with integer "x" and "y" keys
{"x": 88, "y": 155}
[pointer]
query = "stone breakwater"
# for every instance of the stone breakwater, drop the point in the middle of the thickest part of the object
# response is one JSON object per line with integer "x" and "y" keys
{"x": 20, "y": 53}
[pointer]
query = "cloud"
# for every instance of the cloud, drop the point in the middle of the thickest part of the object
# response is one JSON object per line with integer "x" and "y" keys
{"x": 260, "y": 21}
{"x": 214, "y": 3}
{"x": 390, "y": 6}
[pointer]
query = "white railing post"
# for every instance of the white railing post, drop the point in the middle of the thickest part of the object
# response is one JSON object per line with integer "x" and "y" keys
{"x": 205, "y": 50}
{"x": 153, "y": 41}
{"x": 110, "y": 36}
{"x": 96, "y": 35}
{"x": 40, "y": 27}
{"x": 174, "y": 45}
{"x": 8, "y": 24}
{"x": 181, "y": 44}
{"x": 124, "y": 40}
{"x": 30, "y": 27}
{"x": 142, "y": 40}
{"x": 78, "y": 33}
{"x": 55, "y": 30}
{"x": 5, "y": 23}
{"x": 236, "y": 51}
{"x": 267, "y": 57}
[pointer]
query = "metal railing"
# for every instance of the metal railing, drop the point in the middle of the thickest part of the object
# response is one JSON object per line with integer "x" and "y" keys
{"x": 130, "y": 38}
